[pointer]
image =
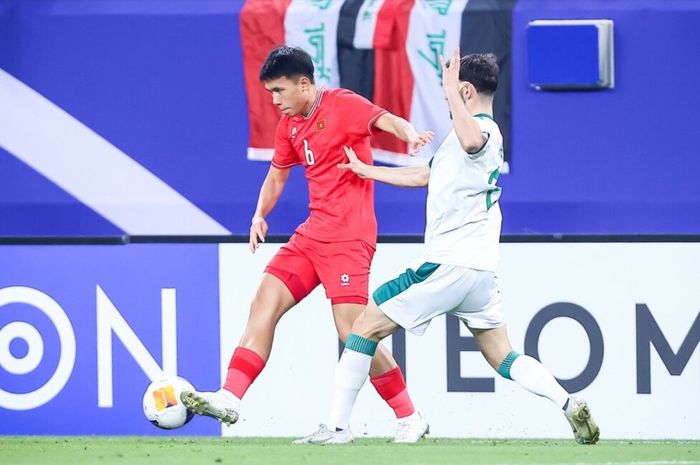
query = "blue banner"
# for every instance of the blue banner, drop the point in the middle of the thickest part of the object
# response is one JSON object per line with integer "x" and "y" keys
{"x": 81, "y": 326}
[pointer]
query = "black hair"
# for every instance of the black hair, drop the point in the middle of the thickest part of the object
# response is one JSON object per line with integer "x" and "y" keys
{"x": 481, "y": 70}
{"x": 289, "y": 62}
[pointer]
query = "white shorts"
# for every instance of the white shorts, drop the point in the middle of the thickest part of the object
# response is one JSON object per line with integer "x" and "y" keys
{"x": 421, "y": 291}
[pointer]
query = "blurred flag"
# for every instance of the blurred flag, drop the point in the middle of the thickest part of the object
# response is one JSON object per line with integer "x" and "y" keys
{"x": 385, "y": 50}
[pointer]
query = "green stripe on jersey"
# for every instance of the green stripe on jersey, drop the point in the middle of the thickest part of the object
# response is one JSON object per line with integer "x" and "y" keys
{"x": 396, "y": 286}
{"x": 494, "y": 194}
{"x": 483, "y": 115}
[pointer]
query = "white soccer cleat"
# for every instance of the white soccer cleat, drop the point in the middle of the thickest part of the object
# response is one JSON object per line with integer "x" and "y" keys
{"x": 579, "y": 415}
{"x": 222, "y": 404}
{"x": 411, "y": 429}
{"x": 324, "y": 435}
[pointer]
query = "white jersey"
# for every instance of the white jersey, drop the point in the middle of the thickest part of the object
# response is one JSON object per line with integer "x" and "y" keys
{"x": 463, "y": 218}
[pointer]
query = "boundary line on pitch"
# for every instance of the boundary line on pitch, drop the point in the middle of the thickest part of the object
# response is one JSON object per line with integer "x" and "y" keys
{"x": 646, "y": 462}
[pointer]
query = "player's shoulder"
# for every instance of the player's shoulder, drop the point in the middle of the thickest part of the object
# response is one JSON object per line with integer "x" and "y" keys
{"x": 485, "y": 118}
{"x": 336, "y": 91}
{"x": 337, "y": 97}
{"x": 487, "y": 122}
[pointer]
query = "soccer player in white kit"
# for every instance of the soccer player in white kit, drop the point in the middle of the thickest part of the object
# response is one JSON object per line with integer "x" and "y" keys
{"x": 456, "y": 273}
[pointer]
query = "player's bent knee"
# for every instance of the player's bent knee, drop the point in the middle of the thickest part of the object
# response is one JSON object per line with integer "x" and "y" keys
{"x": 505, "y": 365}
{"x": 343, "y": 334}
{"x": 361, "y": 321}
{"x": 377, "y": 334}
{"x": 362, "y": 330}
{"x": 372, "y": 327}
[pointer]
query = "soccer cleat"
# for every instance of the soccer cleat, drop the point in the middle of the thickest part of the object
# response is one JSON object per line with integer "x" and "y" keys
{"x": 411, "y": 429}
{"x": 221, "y": 405}
{"x": 324, "y": 435}
{"x": 579, "y": 415}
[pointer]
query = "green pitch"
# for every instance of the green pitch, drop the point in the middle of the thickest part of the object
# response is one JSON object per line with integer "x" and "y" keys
{"x": 194, "y": 451}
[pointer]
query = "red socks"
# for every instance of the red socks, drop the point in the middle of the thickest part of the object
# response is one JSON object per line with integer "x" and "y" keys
{"x": 392, "y": 387}
{"x": 244, "y": 367}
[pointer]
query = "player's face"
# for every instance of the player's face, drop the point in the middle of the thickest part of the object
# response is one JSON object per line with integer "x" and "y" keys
{"x": 289, "y": 95}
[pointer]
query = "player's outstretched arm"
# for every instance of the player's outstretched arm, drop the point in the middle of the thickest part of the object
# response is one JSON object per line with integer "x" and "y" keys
{"x": 466, "y": 127}
{"x": 405, "y": 176}
{"x": 404, "y": 131}
{"x": 270, "y": 192}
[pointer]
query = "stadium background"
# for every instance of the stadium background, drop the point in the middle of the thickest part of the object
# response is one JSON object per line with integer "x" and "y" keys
{"x": 162, "y": 83}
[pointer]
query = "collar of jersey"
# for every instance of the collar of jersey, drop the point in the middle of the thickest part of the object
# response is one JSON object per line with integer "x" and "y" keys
{"x": 317, "y": 102}
{"x": 485, "y": 115}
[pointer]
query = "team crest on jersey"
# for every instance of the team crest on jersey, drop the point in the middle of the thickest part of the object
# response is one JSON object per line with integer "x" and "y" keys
{"x": 294, "y": 133}
{"x": 344, "y": 279}
{"x": 321, "y": 125}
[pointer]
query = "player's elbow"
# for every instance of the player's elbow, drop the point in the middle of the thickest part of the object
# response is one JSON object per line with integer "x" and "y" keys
{"x": 471, "y": 145}
{"x": 471, "y": 142}
{"x": 395, "y": 125}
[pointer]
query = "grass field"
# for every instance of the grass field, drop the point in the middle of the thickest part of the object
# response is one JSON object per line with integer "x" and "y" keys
{"x": 194, "y": 451}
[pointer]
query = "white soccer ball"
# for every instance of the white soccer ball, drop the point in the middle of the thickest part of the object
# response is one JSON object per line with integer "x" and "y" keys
{"x": 161, "y": 402}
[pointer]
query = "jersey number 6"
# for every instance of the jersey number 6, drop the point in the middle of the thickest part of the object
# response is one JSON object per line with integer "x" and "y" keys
{"x": 308, "y": 153}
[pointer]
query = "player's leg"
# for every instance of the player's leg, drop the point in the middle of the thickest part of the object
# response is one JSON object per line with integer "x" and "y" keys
{"x": 385, "y": 374}
{"x": 345, "y": 315}
{"x": 523, "y": 369}
{"x": 288, "y": 278}
{"x": 351, "y": 372}
{"x": 489, "y": 330}
{"x": 533, "y": 376}
{"x": 349, "y": 298}
{"x": 272, "y": 300}
{"x": 410, "y": 299}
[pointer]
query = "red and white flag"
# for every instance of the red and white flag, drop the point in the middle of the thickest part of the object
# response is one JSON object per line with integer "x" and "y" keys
{"x": 385, "y": 50}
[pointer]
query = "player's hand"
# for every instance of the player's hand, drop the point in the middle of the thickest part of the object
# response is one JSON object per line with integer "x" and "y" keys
{"x": 450, "y": 72}
{"x": 258, "y": 231}
{"x": 418, "y": 141}
{"x": 354, "y": 164}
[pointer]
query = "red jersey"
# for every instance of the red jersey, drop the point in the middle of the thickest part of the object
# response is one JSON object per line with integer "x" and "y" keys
{"x": 341, "y": 203}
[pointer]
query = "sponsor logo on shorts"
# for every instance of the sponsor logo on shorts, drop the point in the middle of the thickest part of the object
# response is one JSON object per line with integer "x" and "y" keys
{"x": 344, "y": 279}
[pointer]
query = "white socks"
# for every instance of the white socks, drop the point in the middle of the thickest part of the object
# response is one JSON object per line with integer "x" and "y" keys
{"x": 350, "y": 375}
{"x": 231, "y": 398}
{"x": 534, "y": 377}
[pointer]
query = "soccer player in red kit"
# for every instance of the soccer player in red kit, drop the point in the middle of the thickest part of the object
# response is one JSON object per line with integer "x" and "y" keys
{"x": 333, "y": 247}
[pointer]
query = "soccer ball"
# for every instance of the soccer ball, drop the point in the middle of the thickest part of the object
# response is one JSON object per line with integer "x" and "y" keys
{"x": 161, "y": 402}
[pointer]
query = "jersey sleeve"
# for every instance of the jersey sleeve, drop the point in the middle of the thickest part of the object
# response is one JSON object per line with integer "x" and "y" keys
{"x": 359, "y": 114}
{"x": 285, "y": 155}
{"x": 492, "y": 135}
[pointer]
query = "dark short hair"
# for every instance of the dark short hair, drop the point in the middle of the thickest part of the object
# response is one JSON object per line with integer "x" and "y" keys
{"x": 481, "y": 70}
{"x": 289, "y": 62}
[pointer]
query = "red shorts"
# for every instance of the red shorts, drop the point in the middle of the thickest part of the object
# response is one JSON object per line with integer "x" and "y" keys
{"x": 342, "y": 267}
